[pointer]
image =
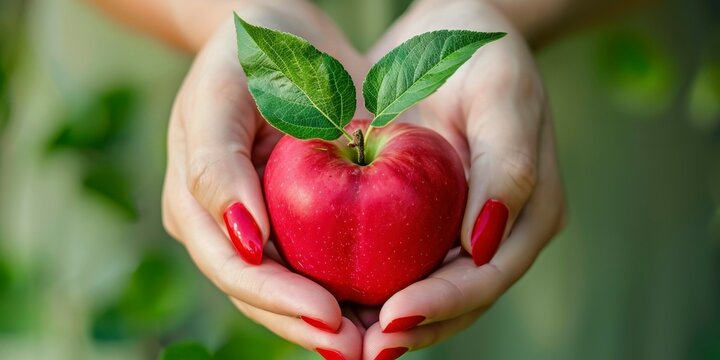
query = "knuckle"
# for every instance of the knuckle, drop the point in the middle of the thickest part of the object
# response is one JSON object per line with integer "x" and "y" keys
{"x": 200, "y": 177}
{"x": 514, "y": 74}
{"x": 230, "y": 276}
{"x": 225, "y": 86}
{"x": 495, "y": 289}
{"x": 241, "y": 281}
{"x": 521, "y": 171}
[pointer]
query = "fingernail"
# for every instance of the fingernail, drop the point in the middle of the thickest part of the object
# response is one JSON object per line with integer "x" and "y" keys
{"x": 318, "y": 324}
{"x": 391, "y": 354}
{"x": 244, "y": 233}
{"x": 488, "y": 231}
{"x": 330, "y": 354}
{"x": 403, "y": 323}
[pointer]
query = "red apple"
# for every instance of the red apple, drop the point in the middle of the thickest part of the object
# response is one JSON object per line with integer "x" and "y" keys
{"x": 366, "y": 232}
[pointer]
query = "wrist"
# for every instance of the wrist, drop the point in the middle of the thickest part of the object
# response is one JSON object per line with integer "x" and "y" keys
{"x": 197, "y": 20}
{"x": 531, "y": 19}
{"x": 430, "y": 15}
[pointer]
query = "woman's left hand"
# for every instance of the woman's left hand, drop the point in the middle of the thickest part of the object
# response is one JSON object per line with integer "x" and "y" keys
{"x": 495, "y": 113}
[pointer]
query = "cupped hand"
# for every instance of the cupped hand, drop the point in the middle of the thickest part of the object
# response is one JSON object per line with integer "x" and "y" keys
{"x": 494, "y": 111}
{"x": 218, "y": 145}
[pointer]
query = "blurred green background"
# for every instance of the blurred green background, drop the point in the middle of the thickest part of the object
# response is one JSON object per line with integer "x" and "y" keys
{"x": 87, "y": 272}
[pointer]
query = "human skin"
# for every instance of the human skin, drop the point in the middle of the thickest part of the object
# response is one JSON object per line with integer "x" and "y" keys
{"x": 218, "y": 145}
{"x": 493, "y": 111}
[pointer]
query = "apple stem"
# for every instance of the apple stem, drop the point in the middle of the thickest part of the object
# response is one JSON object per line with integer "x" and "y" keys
{"x": 359, "y": 144}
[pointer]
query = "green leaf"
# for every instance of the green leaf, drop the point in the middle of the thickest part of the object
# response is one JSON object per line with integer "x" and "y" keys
{"x": 249, "y": 344}
{"x": 299, "y": 90}
{"x": 185, "y": 350}
{"x": 416, "y": 68}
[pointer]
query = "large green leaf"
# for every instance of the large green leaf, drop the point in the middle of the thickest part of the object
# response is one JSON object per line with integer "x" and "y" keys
{"x": 298, "y": 89}
{"x": 416, "y": 68}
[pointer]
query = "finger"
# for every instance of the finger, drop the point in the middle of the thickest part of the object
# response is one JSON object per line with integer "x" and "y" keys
{"x": 543, "y": 216}
{"x": 369, "y": 315}
{"x": 346, "y": 344}
{"x": 503, "y": 143}
{"x": 455, "y": 289}
{"x": 380, "y": 345}
{"x": 349, "y": 312}
{"x": 269, "y": 286}
{"x": 460, "y": 286}
{"x": 220, "y": 123}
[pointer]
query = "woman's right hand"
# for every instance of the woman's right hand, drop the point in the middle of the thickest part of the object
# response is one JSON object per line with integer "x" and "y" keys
{"x": 213, "y": 204}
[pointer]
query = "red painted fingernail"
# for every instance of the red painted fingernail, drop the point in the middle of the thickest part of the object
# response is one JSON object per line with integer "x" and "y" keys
{"x": 244, "y": 233}
{"x": 488, "y": 231}
{"x": 319, "y": 324}
{"x": 404, "y": 323}
{"x": 391, "y": 354}
{"x": 330, "y": 354}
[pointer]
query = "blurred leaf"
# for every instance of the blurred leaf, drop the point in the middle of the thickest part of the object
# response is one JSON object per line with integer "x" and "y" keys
{"x": 108, "y": 180}
{"x": 156, "y": 294}
{"x": 100, "y": 124}
{"x": 5, "y": 278}
{"x": 16, "y": 302}
{"x": 261, "y": 344}
{"x": 99, "y": 133}
{"x": 4, "y": 112}
{"x": 109, "y": 325}
{"x": 636, "y": 69}
{"x": 185, "y": 350}
{"x": 156, "y": 298}
{"x": 704, "y": 106}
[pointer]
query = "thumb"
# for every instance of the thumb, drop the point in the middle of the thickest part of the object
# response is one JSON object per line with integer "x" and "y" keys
{"x": 220, "y": 124}
{"x": 501, "y": 179}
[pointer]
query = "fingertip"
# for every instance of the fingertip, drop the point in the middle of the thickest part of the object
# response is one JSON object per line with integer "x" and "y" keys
{"x": 392, "y": 353}
{"x": 403, "y": 323}
{"x": 330, "y": 354}
{"x": 488, "y": 231}
{"x": 405, "y": 310}
{"x": 319, "y": 324}
{"x": 320, "y": 310}
{"x": 244, "y": 233}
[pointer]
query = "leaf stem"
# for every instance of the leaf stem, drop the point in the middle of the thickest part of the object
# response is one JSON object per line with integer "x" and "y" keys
{"x": 347, "y": 135}
{"x": 367, "y": 134}
{"x": 359, "y": 144}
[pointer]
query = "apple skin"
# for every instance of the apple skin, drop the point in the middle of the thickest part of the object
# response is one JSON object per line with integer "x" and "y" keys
{"x": 366, "y": 232}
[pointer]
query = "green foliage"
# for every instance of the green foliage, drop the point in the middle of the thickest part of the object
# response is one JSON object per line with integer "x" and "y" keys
{"x": 99, "y": 133}
{"x": 704, "y": 104}
{"x": 247, "y": 344}
{"x": 636, "y": 69}
{"x": 298, "y": 89}
{"x": 241, "y": 343}
{"x": 308, "y": 94}
{"x": 416, "y": 69}
{"x": 11, "y": 15}
{"x": 101, "y": 124}
{"x": 108, "y": 180}
{"x": 16, "y": 302}
{"x": 186, "y": 350}
{"x": 155, "y": 298}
